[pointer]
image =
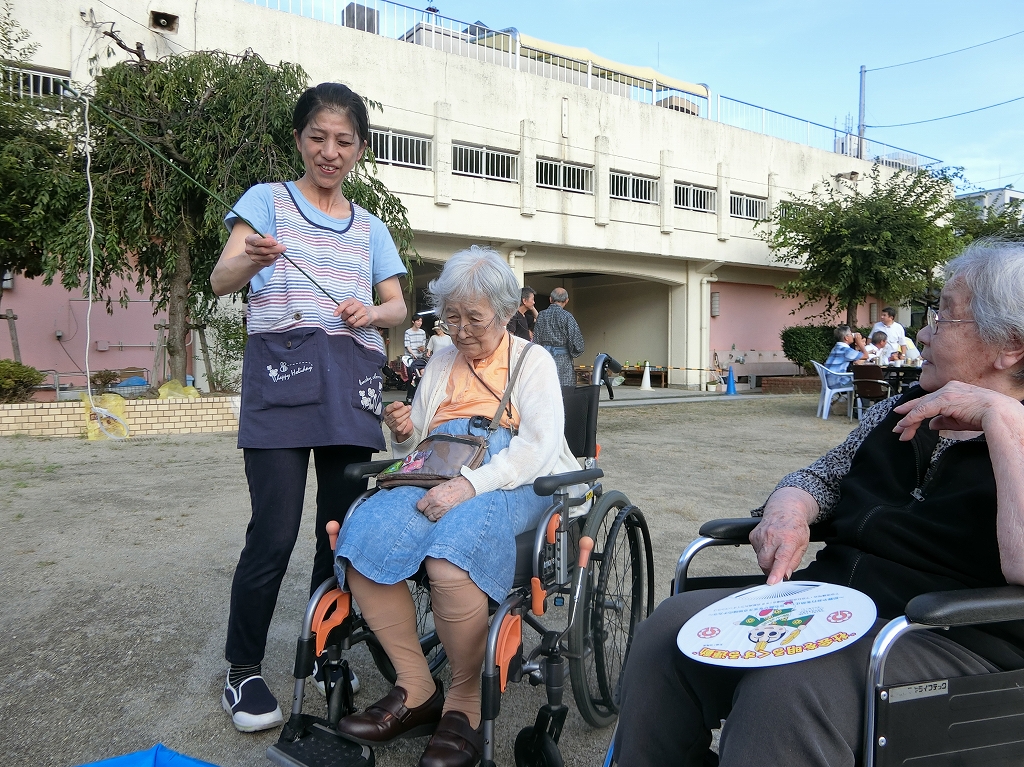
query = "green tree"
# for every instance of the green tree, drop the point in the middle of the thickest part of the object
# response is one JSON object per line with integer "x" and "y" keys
{"x": 225, "y": 120}
{"x": 971, "y": 221}
{"x": 849, "y": 244}
{"x": 38, "y": 165}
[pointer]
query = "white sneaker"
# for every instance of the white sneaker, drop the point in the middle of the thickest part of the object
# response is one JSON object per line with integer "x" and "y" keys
{"x": 252, "y": 705}
{"x": 318, "y": 679}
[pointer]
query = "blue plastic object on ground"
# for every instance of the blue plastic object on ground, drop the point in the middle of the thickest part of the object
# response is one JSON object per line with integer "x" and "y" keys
{"x": 133, "y": 381}
{"x": 730, "y": 386}
{"x": 158, "y": 756}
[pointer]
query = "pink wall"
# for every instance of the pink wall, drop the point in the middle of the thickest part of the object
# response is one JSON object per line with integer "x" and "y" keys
{"x": 752, "y": 316}
{"x": 42, "y": 310}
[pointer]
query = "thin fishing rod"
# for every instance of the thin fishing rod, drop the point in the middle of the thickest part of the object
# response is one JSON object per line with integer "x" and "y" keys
{"x": 145, "y": 144}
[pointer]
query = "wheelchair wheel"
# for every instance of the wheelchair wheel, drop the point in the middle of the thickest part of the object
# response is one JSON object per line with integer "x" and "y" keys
{"x": 617, "y": 592}
{"x": 536, "y": 752}
{"x": 432, "y": 649}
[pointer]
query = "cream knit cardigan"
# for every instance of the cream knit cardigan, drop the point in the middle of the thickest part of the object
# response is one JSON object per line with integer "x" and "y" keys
{"x": 540, "y": 447}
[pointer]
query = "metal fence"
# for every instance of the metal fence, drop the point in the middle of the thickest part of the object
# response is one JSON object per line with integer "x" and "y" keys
{"x": 740, "y": 114}
{"x": 744, "y": 206}
{"x": 394, "y": 148}
{"x": 23, "y": 82}
{"x": 482, "y": 162}
{"x": 503, "y": 47}
{"x": 626, "y": 186}
{"x": 692, "y": 197}
{"x": 567, "y": 177}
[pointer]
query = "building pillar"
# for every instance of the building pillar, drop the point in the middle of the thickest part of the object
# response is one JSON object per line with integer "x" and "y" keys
{"x": 667, "y": 192}
{"x": 442, "y": 153}
{"x": 601, "y": 182}
{"x": 677, "y": 333}
{"x": 527, "y": 168}
{"x": 723, "y": 201}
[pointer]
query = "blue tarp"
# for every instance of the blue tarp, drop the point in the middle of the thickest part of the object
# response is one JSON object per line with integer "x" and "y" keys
{"x": 158, "y": 756}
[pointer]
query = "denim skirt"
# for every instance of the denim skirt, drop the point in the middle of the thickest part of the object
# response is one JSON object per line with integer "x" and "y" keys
{"x": 387, "y": 538}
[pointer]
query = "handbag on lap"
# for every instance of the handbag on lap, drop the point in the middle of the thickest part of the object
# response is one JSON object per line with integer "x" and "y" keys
{"x": 440, "y": 457}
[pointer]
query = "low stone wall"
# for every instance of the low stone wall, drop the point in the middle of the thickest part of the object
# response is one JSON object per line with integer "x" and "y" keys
{"x": 791, "y": 385}
{"x": 143, "y": 416}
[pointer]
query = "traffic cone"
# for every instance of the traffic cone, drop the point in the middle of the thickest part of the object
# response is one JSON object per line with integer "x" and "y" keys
{"x": 730, "y": 386}
{"x": 645, "y": 382}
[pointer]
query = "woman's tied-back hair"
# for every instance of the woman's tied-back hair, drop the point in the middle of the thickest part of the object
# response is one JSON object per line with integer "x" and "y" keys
{"x": 334, "y": 97}
{"x": 992, "y": 270}
{"x": 472, "y": 274}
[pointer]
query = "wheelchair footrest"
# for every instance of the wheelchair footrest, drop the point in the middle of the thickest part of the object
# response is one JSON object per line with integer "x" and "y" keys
{"x": 320, "y": 746}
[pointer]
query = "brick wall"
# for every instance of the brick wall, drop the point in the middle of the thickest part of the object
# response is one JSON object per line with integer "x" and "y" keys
{"x": 143, "y": 416}
{"x": 791, "y": 385}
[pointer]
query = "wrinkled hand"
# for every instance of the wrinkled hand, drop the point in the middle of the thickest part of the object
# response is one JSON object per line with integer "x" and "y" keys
{"x": 441, "y": 499}
{"x": 781, "y": 539}
{"x": 398, "y": 418}
{"x": 957, "y": 406}
{"x": 263, "y": 250}
{"x": 356, "y": 314}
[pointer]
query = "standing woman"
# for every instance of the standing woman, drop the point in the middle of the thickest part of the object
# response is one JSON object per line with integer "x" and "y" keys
{"x": 311, "y": 374}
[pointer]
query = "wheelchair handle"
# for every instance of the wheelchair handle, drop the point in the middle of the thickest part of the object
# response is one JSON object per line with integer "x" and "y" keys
{"x": 333, "y": 528}
{"x": 600, "y": 363}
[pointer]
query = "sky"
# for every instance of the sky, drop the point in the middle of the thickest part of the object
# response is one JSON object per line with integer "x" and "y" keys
{"x": 803, "y": 58}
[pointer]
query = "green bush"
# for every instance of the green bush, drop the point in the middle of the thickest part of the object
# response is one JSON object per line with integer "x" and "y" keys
{"x": 227, "y": 346}
{"x": 17, "y": 381}
{"x": 104, "y": 379}
{"x": 804, "y": 344}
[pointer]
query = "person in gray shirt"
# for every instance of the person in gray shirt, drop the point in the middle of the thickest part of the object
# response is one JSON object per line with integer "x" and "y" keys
{"x": 556, "y": 330}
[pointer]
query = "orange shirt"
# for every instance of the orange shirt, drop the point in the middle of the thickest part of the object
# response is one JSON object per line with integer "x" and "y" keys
{"x": 467, "y": 395}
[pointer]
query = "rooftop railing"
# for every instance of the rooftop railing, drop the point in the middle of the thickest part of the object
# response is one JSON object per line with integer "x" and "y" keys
{"x": 504, "y": 48}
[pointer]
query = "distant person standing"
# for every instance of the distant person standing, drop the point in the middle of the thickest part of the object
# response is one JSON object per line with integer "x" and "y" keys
{"x": 439, "y": 340}
{"x": 896, "y": 333}
{"x": 556, "y": 330}
{"x": 520, "y": 323}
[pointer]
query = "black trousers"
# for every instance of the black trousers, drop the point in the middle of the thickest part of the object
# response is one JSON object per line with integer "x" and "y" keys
{"x": 277, "y": 485}
{"x": 798, "y": 715}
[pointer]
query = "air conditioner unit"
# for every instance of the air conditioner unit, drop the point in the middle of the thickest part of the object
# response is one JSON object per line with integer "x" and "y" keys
{"x": 360, "y": 17}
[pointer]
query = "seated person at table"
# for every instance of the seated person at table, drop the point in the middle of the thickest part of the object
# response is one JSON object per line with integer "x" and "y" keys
{"x": 463, "y": 531}
{"x": 849, "y": 348}
{"x": 883, "y": 348}
{"x": 955, "y": 522}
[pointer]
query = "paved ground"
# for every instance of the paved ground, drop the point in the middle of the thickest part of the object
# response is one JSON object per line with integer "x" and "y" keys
{"x": 116, "y": 560}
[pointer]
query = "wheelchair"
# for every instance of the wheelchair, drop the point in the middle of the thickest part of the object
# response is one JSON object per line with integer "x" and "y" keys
{"x": 590, "y": 553}
{"x": 963, "y": 721}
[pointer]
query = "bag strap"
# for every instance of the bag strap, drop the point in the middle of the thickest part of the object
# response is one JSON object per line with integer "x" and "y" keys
{"x": 496, "y": 421}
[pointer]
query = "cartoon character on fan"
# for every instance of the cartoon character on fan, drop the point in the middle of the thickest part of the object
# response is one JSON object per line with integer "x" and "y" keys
{"x": 772, "y": 624}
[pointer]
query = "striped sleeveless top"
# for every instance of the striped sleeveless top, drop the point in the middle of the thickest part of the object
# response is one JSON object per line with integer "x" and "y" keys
{"x": 338, "y": 259}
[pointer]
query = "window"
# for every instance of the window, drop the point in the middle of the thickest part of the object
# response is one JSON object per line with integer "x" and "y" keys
{"x": 626, "y": 186}
{"x": 20, "y": 82}
{"x": 554, "y": 174}
{"x": 482, "y": 162}
{"x": 693, "y": 197}
{"x": 394, "y": 148}
{"x": 742, "y": 206}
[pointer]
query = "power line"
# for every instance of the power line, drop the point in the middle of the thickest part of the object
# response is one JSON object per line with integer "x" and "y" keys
{"x": 948, "y": 53}
{"x": 958, "y": 114}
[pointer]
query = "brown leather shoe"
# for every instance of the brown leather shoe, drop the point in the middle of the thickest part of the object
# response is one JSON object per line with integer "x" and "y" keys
{"x": 388, "y": 719}
{"x": 454, "y": 743}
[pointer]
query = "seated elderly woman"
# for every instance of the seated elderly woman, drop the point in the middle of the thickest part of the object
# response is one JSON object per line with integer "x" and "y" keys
{"x": 463, "y": 531}
{"x": 926, "y": 494}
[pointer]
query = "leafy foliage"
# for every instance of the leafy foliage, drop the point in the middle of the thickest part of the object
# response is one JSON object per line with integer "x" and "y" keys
{"x": 804, "y": 344}
{"x": 971, "y": 221}
{"x": 227, "y": 346}
{"x": 17, "y": 381}
{"x": 38, "y": 164}
{"x": 850, "y": 244}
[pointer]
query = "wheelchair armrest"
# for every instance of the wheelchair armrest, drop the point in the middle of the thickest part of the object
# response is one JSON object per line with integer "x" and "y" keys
{"x": 739, "y": 529}
{"x": 355, "y": 472}
{"x": 548, "y": 485}
{"x": 965, "y": 607}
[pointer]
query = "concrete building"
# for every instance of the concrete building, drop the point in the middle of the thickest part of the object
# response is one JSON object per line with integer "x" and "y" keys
{"x": 637, "y": 192}
{"x": 995, "y": 198}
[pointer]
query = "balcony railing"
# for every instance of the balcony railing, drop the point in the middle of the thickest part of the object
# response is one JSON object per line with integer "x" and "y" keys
{"x": 626, "y": 186}
{"x": 553, "y": 174}
{"x": 504, "y": 48}
{"x": 394, "y": 148}
{"x": 482, "y": 162}
{"x": 35, "y": 84}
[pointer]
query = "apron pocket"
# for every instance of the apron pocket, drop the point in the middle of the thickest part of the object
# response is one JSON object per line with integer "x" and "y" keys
{"x": 290, "y": 369}
{"x": 366, "y": 365}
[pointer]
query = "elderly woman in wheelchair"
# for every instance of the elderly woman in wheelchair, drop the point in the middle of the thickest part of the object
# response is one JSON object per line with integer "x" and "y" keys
{"x": 925, "y": 495}
{"x": 462, "y": 531}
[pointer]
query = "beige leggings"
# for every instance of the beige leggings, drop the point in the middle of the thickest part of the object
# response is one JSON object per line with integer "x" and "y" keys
{"x": 460, "y": 617}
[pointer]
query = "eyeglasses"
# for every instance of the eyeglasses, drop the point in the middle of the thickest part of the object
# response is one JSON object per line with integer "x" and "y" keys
{"x": 472, "y": 328}
{"x": 934, "y": 319}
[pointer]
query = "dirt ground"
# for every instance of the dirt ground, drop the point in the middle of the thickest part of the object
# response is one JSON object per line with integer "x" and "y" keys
{"x": 116, "y": 561}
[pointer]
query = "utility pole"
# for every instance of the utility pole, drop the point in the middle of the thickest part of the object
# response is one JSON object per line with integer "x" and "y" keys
{"x": 860, "y": 120}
